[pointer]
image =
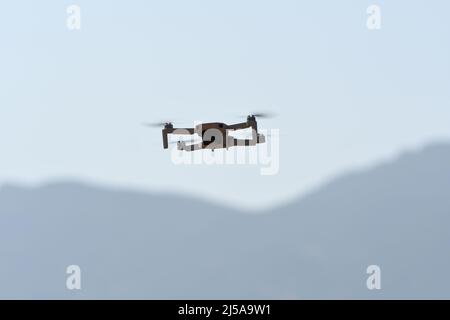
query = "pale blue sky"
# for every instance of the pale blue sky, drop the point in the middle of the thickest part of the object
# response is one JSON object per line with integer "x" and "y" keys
{"x": 71, "y": 102}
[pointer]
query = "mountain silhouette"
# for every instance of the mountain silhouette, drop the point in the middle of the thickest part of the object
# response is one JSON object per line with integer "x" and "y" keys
{"x": 160, "y": 246}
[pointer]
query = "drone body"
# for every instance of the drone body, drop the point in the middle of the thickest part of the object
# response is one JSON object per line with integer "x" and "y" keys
{"x": 214, "y": 135}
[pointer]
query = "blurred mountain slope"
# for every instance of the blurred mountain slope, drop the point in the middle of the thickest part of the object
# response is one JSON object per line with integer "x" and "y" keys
{"x": 136, "y": 245}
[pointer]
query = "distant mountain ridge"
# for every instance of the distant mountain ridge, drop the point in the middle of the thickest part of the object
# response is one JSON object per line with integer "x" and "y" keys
{"x": 136, "y": 245}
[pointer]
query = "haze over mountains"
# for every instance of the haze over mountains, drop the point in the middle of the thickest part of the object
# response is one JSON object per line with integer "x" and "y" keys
{"x": 136, "y": 245}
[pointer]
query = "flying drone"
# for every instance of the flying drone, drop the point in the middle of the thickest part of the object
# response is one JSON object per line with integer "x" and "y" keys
{"x": 213, "y": 135}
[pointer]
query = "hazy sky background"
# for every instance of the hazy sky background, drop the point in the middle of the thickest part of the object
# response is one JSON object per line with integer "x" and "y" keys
{"x": 72, "y": 102}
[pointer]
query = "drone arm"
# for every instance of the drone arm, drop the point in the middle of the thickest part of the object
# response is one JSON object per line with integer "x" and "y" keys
{"x": 165, "y": 132}
{"x": 180, "y": 131}
{"x": 256, "y": 137}
{"x": 244, "y": 125}
{"x": 237, "y": 126}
